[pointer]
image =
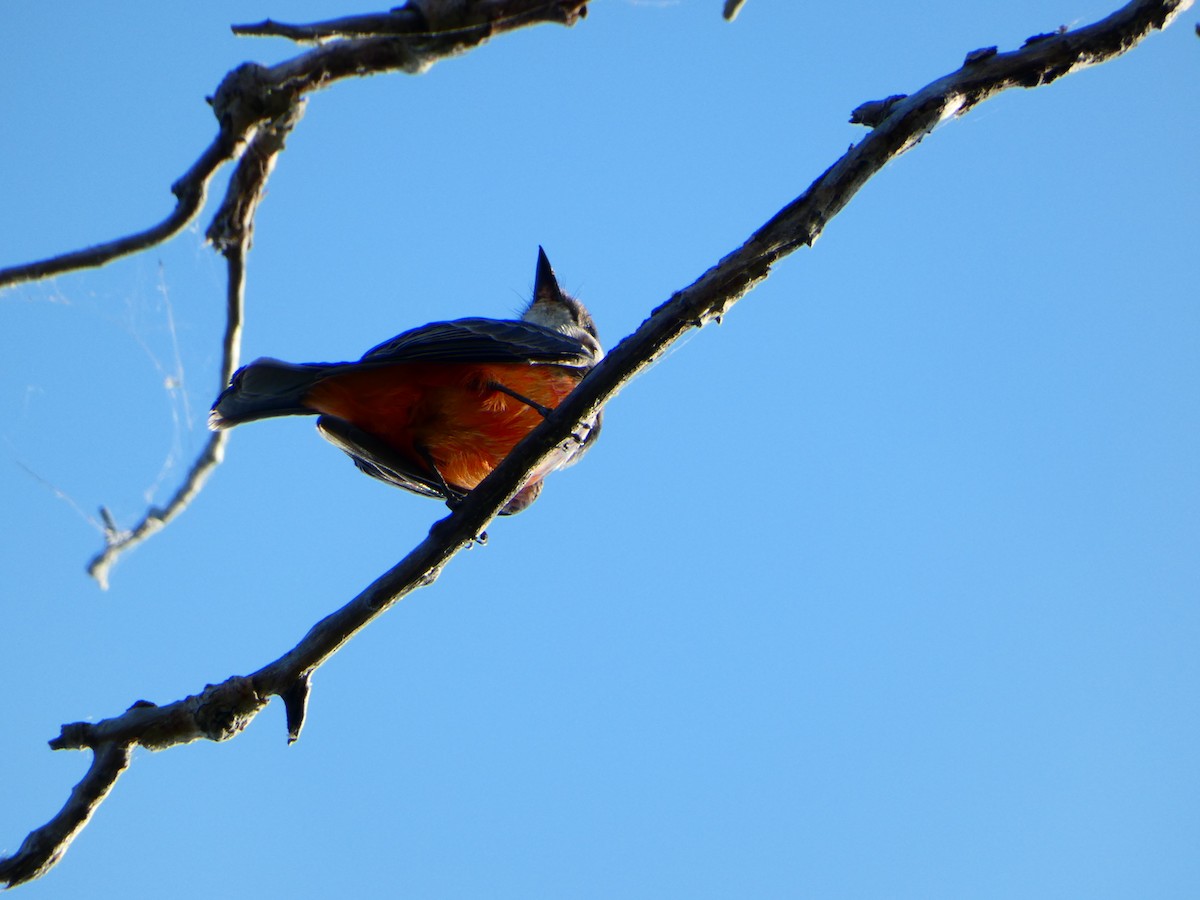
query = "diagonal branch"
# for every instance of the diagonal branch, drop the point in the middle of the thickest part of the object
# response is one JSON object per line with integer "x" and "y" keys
{"x": 221, "y": 711}
{"x": 1040, "y": 61}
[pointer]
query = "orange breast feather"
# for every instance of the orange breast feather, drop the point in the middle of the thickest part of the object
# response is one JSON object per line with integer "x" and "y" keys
{"x": 447, "y": 408}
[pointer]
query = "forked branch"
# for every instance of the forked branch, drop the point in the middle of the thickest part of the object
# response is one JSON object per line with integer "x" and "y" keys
{"x": 252, "y": 95}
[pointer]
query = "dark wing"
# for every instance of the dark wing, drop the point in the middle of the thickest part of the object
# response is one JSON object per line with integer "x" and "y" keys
{"x": 379, "y": 461}
{"x": 376, "y": 459}
{"x": 482, "y": 341}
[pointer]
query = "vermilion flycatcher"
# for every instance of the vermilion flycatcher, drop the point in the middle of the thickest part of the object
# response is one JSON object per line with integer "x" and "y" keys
{"x": 435, "y": 409}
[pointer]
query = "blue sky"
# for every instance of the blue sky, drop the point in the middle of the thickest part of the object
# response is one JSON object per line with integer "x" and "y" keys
{"x": 888, "y": 586}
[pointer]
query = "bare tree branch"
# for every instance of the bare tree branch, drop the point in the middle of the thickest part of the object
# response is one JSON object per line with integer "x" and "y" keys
{"x": 252, "y": 94}
{"x": 398, "y": 21}
{"x": 427, "y": 17}
{"x": 43, "y": 848}
{"x": 221, "y": 711}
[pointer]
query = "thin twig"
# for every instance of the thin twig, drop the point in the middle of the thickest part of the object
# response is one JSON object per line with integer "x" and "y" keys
{"x": 44, "y": 847}
{"x": 231, "y": 232}
{"x": 190, "y": 191}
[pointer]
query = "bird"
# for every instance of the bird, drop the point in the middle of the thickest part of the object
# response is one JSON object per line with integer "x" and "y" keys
{"x": 435, "y": 409}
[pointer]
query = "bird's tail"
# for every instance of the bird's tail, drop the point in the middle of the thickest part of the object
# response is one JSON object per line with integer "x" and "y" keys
{"x": 264, "y": 389}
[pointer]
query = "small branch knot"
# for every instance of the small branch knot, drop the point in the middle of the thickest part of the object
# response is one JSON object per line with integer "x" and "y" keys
{"x": 873, "y": 112}
{"x": 975, "y": 57}
{"x": 224, "y": 709}
{"x": 1044, "y": 36}
{"x": 74, "y": 736}
{"x": 246, "y": 97}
